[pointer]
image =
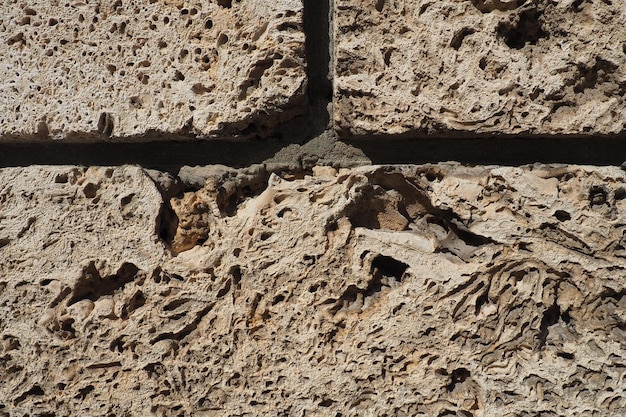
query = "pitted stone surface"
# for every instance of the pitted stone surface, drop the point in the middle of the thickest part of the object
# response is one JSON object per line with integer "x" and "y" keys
{"x": 138, "y": 68}
{"x": 407, "y": 291}
{"x": 461, "y": 67}
{"x": 54, "y": 221}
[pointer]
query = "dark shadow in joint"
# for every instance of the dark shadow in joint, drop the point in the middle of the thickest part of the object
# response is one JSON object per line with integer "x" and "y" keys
{"x": 510, "y": 151}
{"x": 317, "y": 29}
{"x": 164, "y": 156}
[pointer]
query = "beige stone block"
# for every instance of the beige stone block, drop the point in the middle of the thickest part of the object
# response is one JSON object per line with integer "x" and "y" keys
{"x": 142, "y": 70}
{"x": 401, "y": 291}
{"x": 54, "y": 221}
{"x": 480, "y": 67}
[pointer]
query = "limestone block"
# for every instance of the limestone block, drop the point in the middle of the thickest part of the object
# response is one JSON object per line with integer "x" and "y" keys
{"x": 54, "y": 218}
{"x": 406, "y": 291}
{"x": 139, "y": 69}
{"x": 479, "y": 67}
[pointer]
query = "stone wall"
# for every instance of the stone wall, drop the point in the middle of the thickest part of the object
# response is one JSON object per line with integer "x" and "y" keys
{"x": 299, "y": 208}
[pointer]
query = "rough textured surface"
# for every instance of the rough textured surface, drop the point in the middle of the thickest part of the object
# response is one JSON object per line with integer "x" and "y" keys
{"x": 481, "y": 66}
{"x": 406, "y": 291}
{"x": 94, "y": 70}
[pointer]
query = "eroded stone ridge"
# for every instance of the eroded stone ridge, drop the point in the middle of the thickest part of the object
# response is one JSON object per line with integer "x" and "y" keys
{"x": 139, "y": 68}
{"x": 407, "y": 291}
{"x": 459, "y": 67}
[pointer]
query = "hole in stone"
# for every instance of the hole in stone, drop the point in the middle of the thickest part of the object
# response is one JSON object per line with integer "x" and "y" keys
{"x": 208, "y": 24}
{"x": 90, "y": 190}
{"x": 35, "y": 390}
{"x": 278, "y": 299}
{"x": 127, "y": 199}
{"x": 199, "y": 88}
{"x": 225, "y": 289}
{"x": 105, "y": 124}
{"x": 458, "y": 376}
{"x": 61, "y": 178}
{"x": 83, "y": 392}
{"x": 135, "y": 101}
{"x": 386, "y": 57}
{"x": 222, "y": 39}
{"x": 562, "y": 215}
{"x": 167, "y": 224}
{"x": 457, "y": 39}
{"x": 597, "y": 196}
{"x": 236, "y": 274}
{"x": 92, "y": 286}
{"x": 590, "y": 77}
{"x": 576, "y": 5}
{"x": 66, "y": 326}
{"x": 117, "y": 344}
{"x": 283, "y": 211}
{"x": 550, "y": 318}
{"x": 389, "y": 267}
{"x": 16, "y": 38}
{"x": 488, "y": 6}
{"x": 528, "y": 30}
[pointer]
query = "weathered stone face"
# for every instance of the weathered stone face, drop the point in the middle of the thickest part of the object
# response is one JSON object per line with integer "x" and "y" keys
{"x": 418, "y": 290}
{"x": 54, "y": 219}
{"x": 93, "y": 70}
{"x": 302, "y": 284}
{"x": 479, "y": 67}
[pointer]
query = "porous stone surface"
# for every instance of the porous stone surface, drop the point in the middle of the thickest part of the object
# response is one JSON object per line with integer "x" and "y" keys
{"x": 408, "y": 291}
{"x": 467, "y": 67}
{"x": 139, "y": 69}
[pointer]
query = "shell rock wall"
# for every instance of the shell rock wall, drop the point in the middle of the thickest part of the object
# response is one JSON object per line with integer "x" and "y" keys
{"x": 195, "y": 219}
